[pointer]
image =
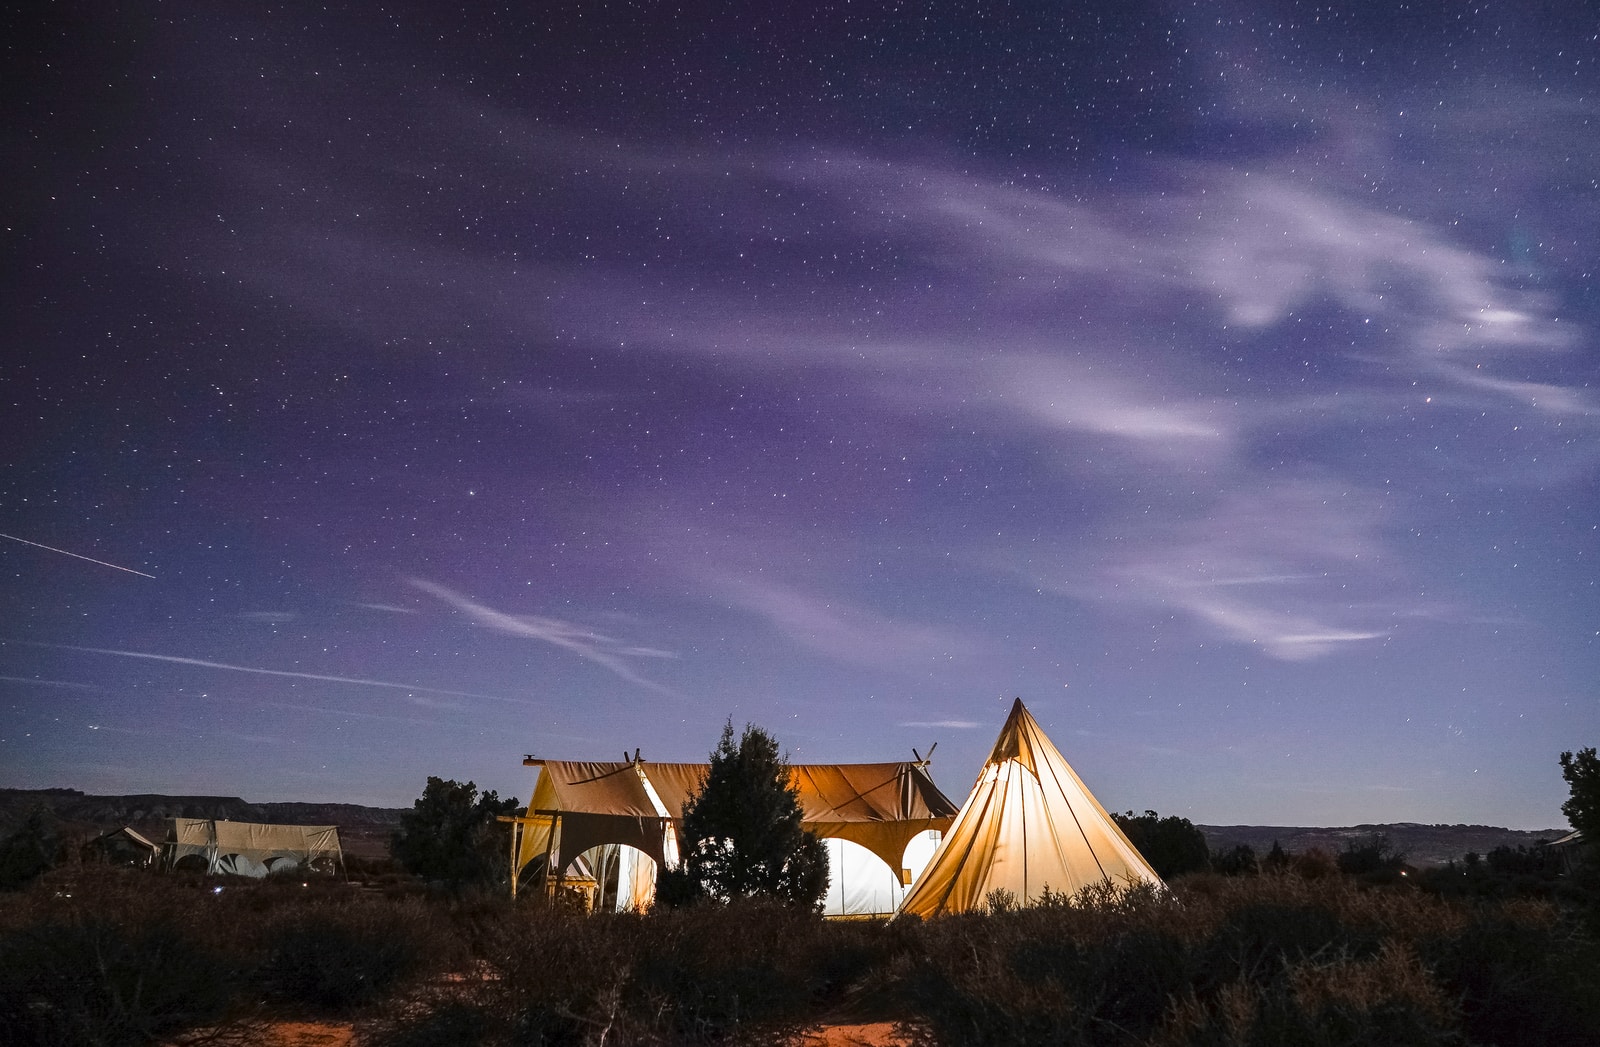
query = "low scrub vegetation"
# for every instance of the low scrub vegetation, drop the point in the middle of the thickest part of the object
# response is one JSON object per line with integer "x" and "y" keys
{"x": 1303, "y": 955}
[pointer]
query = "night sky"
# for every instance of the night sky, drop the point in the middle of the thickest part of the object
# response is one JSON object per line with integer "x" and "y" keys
{"x": 426, "y": 388}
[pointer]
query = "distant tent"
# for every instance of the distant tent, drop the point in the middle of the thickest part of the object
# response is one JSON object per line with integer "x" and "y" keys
{"x": 580, "y": 808}
{"x": 252, "y": 849}
{"x": 1567, "y": 849}
{"x": 1030, "y": 823}
{"x": 124, "y": 846}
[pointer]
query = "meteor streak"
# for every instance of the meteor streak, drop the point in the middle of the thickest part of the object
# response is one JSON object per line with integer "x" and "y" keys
{"x": 75, "y": 556}
{"x": 202, "y": 663}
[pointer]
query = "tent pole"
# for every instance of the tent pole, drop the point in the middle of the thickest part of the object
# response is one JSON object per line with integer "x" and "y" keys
{"x": 516, "y": 847}
{"x": 553, "y": 887}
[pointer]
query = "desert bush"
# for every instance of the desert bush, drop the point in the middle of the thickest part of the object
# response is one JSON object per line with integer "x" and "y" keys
{"x": 96, "y": 961}
{"x": 1313, "y": 864}
{"x": 125, "y": 956}
{"x": 752, "y": 971}
{"x": 1069, "y": 970}
{"x": 1525, "y": 972}
{"x": 93, "y": 982}
{"x": 1239, "y": 860}
{"x": 1259, "y": 960}
{"x": 1276, "y": 859}
{"x": 443, "y": 1022}
{"x": 335, "y": 959}
{"x": 1504, "y": 873}
{"x": 29, "y": 851}
{"x": 749, "y": 968}
{"x": 1371, "y": 858}
{"x": 115, "y": 957}
{"x": 1521, "y": 861}
{"x": 1389, "y": 998}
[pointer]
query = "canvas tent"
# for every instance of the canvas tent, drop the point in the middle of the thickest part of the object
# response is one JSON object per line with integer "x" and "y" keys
{"x": 583, "y": 807}
{"x": 250, "y": 848}
{"x": 124, "y": 846}
{"x": 1567, "y": 849}
{"x": 1030, "y": 823}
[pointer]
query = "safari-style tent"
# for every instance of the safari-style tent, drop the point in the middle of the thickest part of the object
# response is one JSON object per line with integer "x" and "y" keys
{"x": 623, "y": 815}
{"x": 123, "y": 846}
{"x": 1029, "y": 824}
{"x": 251, "y": 848}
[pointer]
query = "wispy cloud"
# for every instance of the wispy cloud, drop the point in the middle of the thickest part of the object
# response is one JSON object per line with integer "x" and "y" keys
{"x": 1258, "y": 245}
{"x": 1092, "y": 326}
{"x": 582, "y": 641}
{"x": 1066, "y": 397}
{"x": 445, "y": 722}
{"x": 252, "y": 739}
{"x": 841, "y": 630}
{"x": 1281, "y": 632}
{"x": 957, "y": 725}
{"x": 1295, "y": 568}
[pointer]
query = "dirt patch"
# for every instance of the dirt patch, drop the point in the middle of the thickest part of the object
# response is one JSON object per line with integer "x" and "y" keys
{"x": 269, "y": 1034}
{"x": 341, "y": 1034}
{"x": 871, "y": 1034}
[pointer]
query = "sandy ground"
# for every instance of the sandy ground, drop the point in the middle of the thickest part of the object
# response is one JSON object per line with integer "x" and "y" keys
{"x": 874, "y": 1034}
{"x": 306, "y": 1034}
{"x": 340, "y": 1034}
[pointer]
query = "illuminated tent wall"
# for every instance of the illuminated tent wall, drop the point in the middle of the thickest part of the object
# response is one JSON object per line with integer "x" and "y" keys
{"x": 581, "y": 805}
{"x": 860, "y": 885}
{"x": 1029, "y": 824}
{"x": 250, "y": 848}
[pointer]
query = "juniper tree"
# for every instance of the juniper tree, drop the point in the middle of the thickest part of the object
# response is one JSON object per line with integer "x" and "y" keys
{"x": 1582, "y": 772}
{"x": 451, "y": 836}
{"x": 1172, "y": 845}
{"x": 741, "y": 834}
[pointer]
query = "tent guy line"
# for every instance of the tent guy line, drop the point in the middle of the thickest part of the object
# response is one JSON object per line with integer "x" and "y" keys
{"x": 76, "y": 556}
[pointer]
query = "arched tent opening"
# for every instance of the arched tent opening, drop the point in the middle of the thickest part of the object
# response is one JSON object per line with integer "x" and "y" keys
{"x": 918, "y": 853}
{"x": 861, "y": 884}
{"x": 624, "y": 877}
{"x": 191, "y": 863}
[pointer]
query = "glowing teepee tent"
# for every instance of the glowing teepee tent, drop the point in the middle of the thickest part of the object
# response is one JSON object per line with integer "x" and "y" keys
{"x": 1029, "y": 824}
